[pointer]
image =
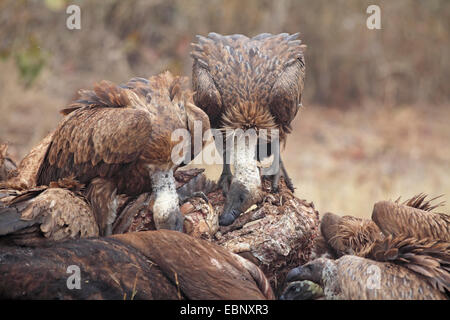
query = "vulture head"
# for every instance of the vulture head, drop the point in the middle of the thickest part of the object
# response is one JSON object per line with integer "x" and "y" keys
{"x": 302, "y": 290}
{"x": 316, "y": 271}
{"x": 323, "y": 272}
{"x": 248, "y": 85}
{"x": 243, "y": 193}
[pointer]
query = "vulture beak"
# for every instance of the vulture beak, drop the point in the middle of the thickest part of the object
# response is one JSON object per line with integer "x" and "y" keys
{"x": 239, "y": 199}
{"x": 296, "y": 274}
{"x": 311, "y": 271}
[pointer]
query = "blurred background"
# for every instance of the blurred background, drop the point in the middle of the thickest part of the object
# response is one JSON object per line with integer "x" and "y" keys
{"x": 376, "y": 122}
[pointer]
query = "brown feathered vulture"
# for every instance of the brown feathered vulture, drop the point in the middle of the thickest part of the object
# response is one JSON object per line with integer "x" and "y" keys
{"x": 414, "y": 218}
{"x": 161, "y": 264}
{"x": 118, "y": 140}
{"x": 355, "y": 278}
{"x": 248, "y": 83}
{"x": 404, "y": 241}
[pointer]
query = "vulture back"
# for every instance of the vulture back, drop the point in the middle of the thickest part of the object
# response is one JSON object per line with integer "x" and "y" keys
{"x": 244, "y": 82}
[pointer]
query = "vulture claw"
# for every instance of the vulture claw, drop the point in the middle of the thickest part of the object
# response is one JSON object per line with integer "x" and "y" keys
{"x": 276, "y": 179}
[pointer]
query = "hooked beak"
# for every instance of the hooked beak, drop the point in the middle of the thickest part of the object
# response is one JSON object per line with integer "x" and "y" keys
{"x": 295, "y": 274}
{"x": 229, "y": 217}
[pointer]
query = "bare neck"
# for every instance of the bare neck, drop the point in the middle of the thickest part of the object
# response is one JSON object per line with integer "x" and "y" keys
{"x": 245, "y": 164}
{"x": 166, "y": 197}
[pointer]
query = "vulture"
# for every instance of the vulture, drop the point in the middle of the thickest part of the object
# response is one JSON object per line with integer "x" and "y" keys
{"x": 407, "y": 242}
{"x": 248, "y": 85}
{"x": 414, "y": 218}
{"x": 140, "y": 265}
{"x": 57, "y": 212}
{"x": 118, "y": 139}
{"x": 355, "y": 278}
{"x": 7, "y": 165}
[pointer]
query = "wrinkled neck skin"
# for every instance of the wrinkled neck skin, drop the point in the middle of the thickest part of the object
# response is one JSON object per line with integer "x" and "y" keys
{"x": 245, "y": 165}
{"x": 166, "y": 198}
{"x": 330, "y": 281}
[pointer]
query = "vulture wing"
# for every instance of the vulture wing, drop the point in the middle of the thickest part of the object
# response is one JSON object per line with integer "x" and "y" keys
{"x": 102, "y": 133}
{"x": 396, "y": 219}
{"x": 46, "y": 213}
{"x": 429, "y": 258}
{"x": 108, "y": 270}
{"x": 207, "y": 271}
{"x": 112, "y": 127}
{"x": 143, "y": 265}
{"x": 267, "y": 70}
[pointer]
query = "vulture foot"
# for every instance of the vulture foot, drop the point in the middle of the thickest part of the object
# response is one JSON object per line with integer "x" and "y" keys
{"x": 276, "y": 179}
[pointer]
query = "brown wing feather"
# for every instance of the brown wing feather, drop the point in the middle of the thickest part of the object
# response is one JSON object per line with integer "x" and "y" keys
{"x": 420, "y": 201}
{"x": 429, "y": 258}
{"x": 207, "y": 271}
{"x": 47, "y": 213}
{"x": 95, "y": 142}
{"x": 109, "y": 270}
{"x": 124, "y": 128}
{"x": 395, "y": 219}
{"x": 233, "y": 70}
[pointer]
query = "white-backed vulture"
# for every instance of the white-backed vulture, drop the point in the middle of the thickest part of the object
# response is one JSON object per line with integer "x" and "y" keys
{"x": 413, "y": 218}
{"x": 248, "y": 83}
{"x": 410, "y": 239}
{"x": 118, "y": 140}
{"x": 141, "y": 265}
{"x": 355, "y": 278}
